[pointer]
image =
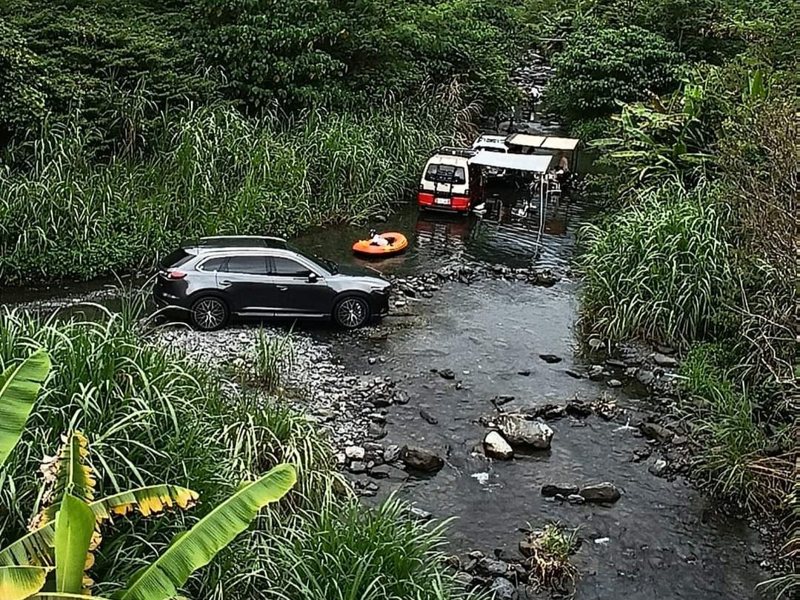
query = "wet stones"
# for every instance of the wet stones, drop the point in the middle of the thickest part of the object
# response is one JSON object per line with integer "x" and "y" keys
{"x": 658, "y": 468}
{"x": 662, "y": 360}
{"x": 550, "y": 490}
{"x": 601, "y": 493}
{"x": 550, "y": 358}
{"x": 656, "y": 432}
{"x": 521, "y": 432}
{"x": 495, "y": 446}
{"x": 426, "y": 416}
{"x": 419, "y": 459}
{"x": 503, "y": 589}
{"x": 448, "y": 374}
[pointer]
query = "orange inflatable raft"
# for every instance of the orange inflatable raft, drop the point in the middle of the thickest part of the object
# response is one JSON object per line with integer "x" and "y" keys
{"x": 397, "y": 243}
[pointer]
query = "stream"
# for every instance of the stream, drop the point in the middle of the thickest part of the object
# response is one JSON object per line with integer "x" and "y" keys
{"x": 662, "y": 539}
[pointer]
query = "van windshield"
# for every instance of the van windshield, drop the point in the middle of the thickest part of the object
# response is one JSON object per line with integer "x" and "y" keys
{"x": 446, "y": 174}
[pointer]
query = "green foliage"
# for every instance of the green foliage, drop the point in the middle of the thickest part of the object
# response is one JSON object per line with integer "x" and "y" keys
{"x": 662, "y": 269}
{"x": 19, "y": 387}
{"x": 602, "y": 66}
{"x": 171, "y": 418}
{"x": 215, "y": 172}
{"x": 343, "y": 551}
{"x": 22, "y": 100}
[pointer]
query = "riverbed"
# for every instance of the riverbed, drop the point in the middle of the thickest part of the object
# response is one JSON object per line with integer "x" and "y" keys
{"x": 662, "y": 539}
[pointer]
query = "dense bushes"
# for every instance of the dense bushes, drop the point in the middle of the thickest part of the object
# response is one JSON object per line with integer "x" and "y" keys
{"x": 601, "y": 66}
{"x": 700, "y": 249}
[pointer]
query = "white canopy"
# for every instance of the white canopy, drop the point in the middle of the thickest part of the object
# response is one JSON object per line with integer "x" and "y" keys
{"x": 543, "y": 142}
{"x": 517, "y": 162}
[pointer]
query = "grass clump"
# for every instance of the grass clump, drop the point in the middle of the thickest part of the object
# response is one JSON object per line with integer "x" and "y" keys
{"x": 548, "y": 554}
{"x": 744, "y": 456}
{"x": 343, "y": 552}
{"x": 659, "y": 270}
{"x": 273, "y": 355}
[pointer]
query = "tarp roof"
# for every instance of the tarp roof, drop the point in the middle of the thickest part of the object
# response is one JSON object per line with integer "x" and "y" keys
{"x": 538, "y": 163}
{"x": 523, "y": 139}
{"x": 543, "y": 142}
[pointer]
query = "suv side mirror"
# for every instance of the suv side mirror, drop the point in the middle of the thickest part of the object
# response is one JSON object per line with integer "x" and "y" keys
{"x": 312, "y": 277}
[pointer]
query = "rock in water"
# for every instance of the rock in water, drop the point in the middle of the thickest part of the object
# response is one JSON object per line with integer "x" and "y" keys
{"x": 503, "y": 589}
{"x": 419, "y": 459}
{"x": 428, "y": 416}
{"x": 354, "y": 452}
{"x": 662, "y": 360}
{"x": 550, "y": 358}
{"x": 495, "y": 446}
{"x": 447, "y": 374}
{"x": 490, "y": 567}
{"x": 600, "y": 492}
{"x": 520, "y": 432}
{"x": 657, "y": 432}
{"x": 552, "y": 489}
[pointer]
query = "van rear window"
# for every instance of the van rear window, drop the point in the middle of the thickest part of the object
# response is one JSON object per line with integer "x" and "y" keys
{"x": 446, "y": 174}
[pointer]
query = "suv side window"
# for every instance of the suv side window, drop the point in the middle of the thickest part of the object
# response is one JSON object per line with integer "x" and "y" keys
{"x": 286, "y": 267}
{"x": 214, "y": 264}
{"x": 251, "y": 265}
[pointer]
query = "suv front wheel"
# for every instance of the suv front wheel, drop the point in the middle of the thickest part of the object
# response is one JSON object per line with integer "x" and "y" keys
{"x": 351, "y": 312}
{"x": 209, "y": 313}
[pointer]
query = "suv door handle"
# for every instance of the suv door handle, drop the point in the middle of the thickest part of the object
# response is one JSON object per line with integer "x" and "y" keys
{"x": 282, "y": 288}
{"x": 225, "y": 283}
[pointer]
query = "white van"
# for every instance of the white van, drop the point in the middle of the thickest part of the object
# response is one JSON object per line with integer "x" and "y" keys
{"x": 449, "y": 182}
{"x": 492, "y": 143}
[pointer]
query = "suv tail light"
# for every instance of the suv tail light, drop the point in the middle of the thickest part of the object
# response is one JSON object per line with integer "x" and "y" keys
{"x": 176, "y": 274}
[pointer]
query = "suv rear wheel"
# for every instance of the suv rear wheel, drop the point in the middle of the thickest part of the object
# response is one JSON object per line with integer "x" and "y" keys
{"x": 351, "y": 312}
{"x": 209, "y": 313}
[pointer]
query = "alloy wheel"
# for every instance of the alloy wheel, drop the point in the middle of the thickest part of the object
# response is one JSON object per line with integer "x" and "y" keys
{"x": 209, "y": 313}
{"x": 351, "y": 312}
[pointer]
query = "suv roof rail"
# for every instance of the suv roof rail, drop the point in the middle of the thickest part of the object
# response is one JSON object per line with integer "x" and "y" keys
{"x": 216, "y": 242}
{"x": 456, "y": 151}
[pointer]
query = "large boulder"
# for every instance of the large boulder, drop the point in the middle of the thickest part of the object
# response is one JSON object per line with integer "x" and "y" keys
{"x": 419, "y": 459}
{"x": 495, "y": 446}
{"x": 600, "y": 492}
{"x": 519, "y": 432}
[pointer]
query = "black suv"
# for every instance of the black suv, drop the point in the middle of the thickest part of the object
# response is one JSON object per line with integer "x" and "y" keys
{"x": 250, "y": 276}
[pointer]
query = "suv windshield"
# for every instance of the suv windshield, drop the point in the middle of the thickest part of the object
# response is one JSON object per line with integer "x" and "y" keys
{"x": 323, "y": 263}
{"x": 445, "y": 174}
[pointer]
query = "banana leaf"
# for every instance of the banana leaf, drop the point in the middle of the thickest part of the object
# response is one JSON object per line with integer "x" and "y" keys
{"x": 36, "y": 548}
{"x": 18, "y": 583}
{"x": 74, "y": 527}
{"x": 19, "y": 386}
{"x": 195, "y": 548}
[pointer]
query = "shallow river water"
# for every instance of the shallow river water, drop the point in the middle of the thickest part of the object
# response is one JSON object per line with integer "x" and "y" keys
{"x": 664, "y": 540}
{"x": 661, "y": 540}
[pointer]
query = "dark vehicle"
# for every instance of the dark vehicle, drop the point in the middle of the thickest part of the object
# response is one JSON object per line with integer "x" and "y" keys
{"x": 248, "y": 276}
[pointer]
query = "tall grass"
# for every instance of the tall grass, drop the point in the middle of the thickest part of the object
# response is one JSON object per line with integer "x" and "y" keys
{"x": 662, "y": 269}
{"x": 152, "y": 417}
{"x": 273, "y": 356}
{"x": 346, "y": 553}
{"x": 736, "y": 435}
{"x": 210, "y": 171}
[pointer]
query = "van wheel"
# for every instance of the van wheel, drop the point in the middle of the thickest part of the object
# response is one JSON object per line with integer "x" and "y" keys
{"x": 209, "y": 313}
{"x": 351, "y": 312}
